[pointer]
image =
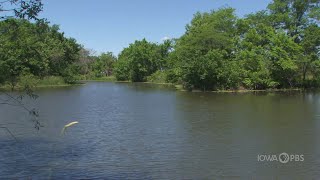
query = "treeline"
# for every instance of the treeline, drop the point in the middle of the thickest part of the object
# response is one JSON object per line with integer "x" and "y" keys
{"x": 275, "y": 48}
{"x": 93, "y": 67}
{"x": 141, "y": 60}
{"x": 31, "y": 52}
{"x": 35, "y": 49}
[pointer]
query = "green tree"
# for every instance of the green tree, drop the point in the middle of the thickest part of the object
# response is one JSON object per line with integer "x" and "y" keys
{"x": 34, "y": 48}
{"x": 269, "y": 57}
{"x": 86, "y": 60}
{"x": 103, "y": 66}
{"x": 309, "y": 60}
{"x": 20, "y": 50}
{"x": 164, "y": 49}
{"x": 300, "y": 20}
{"x": 23, "y": 9}
{"x": 284, "y": 54}
{"x": 203, "y": 57}
{"x": 294, "y": 15}
{"x": 138, "y": 61}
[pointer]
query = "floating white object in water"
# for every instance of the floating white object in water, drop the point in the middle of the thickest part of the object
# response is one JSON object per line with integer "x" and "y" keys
{"x": 68, "y": 125}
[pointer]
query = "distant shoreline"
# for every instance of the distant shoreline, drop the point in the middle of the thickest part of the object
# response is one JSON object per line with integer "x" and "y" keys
{"x": 180, "y": 88}
{"x": 175, "y": 86}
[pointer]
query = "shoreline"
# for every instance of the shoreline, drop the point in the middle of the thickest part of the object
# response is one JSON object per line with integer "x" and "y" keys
{"x": 180, "y": 88}
{"x": 251, "y": 90}
{"x": 177, "y": 87}
{"x": 6, "y": 88}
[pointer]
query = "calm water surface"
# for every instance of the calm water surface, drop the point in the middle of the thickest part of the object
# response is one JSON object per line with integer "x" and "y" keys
{"x": 139, "y": 131}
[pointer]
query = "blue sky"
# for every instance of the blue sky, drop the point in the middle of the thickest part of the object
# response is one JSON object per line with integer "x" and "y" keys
{"x": 111, "y": 25}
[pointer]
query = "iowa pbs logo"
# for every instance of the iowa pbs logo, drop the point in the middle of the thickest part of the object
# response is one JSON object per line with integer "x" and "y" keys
{"x": 282, "y": 158}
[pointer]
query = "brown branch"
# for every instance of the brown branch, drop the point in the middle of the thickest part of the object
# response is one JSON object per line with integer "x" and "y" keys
{"x": 10, "y": 133}
{"x": 16, "y": 100}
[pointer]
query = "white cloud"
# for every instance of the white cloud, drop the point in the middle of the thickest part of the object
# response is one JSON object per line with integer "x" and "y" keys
{"x": 165, "y": 38}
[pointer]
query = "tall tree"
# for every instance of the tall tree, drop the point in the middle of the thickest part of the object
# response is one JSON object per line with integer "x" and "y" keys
{"x": 138, "y": 61}
{"x": 34, "y": 48}
{"x": 203, "y": 56}
{"x": 104, "y": 64}
{"x": 294, "y": 15}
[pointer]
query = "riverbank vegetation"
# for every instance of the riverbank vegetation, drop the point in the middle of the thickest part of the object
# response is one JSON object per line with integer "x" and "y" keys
{"x": 35, "y": 50}
{"x": 275, "y": 48}
{"x": 271, "y": 49}
{"x": 38, "y": 54}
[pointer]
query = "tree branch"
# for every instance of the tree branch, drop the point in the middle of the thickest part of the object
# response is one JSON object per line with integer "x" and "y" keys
{"x": 19, "y": 102}
{"x": 10, "y": 133}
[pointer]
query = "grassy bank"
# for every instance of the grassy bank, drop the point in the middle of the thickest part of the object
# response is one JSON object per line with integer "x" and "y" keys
{"x": 160, "y": 79}
{"x": 102, "y": 79}
{"x": 180, "y": 88}
{"x": 55, "y": 81}
{"x": 34, "y": 82}
{"x": 264, "y": 90}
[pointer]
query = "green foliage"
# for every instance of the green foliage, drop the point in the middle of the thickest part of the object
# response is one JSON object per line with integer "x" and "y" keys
{"x": 255, "y": 65}
{"x": 158, "y": 77}
{"x": 31, "y": 81}
{"x": 103, "y": 66}
{"x": 122, "y": 69}
{"x": 174, "y": 75}
{"x": 140, "y": 60}
{"x": 35, "y": 48}
{"x": 28, "y": 80}
{"x": 284, "y": 56}
{"x": 69, "y": 74}
{"x": 294, "y": 15}
{"x": 275, "y": 48}
{"x": 92, "y": 67}
{"x": 51, "y": 81}
{"x": 268, "y": 58}
{"x": 203, "y": 56}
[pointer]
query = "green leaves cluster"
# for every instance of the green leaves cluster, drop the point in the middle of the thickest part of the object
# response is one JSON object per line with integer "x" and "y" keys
{"x": 93, "y": 67}
{"x": 140, "y": 60}
{"x": 103, "y": 65}
{"x": 275, "y": 48}
{"x": 35, "y": 48}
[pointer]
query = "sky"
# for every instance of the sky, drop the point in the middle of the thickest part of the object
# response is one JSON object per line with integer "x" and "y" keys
{"x": 111, "y": 25}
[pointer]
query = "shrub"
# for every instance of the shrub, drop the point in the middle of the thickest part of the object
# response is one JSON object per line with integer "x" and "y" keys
{"x": 158, "y": 77}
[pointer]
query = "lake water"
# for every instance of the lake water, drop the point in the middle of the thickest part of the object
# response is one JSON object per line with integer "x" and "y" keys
{"x": 142, "y": 131}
